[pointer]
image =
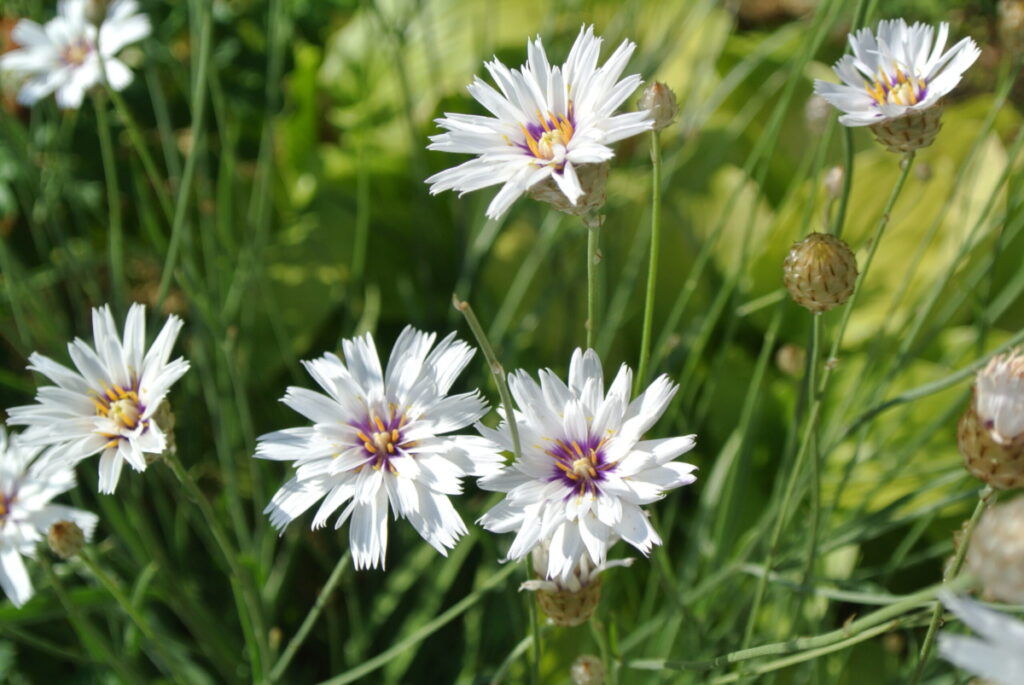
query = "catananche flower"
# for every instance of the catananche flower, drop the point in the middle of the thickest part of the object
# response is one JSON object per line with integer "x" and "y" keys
{"x": 584, "y": 472}
{"x": 548, "y": 121}
{"x": 108, "y": 405}
{"x": 379, "y": 440}
{"x": 997, "y": 654}
{"x": 27, "y": 485}
{"x": 63, "y": 56}
{"x": 895, "y": 72}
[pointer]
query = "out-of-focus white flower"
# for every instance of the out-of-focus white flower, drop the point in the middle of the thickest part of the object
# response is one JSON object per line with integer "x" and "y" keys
{"x": 547, "y": 122}
{"x": 63, "y": 56}
{"x": 378, "y": 440}
{"x": 898, "y": 70}
{"x": 997, "y": 654}
{"x": 107, "y": 406}
{"x": 584, "y": 472}
{"x": 27, "y": 485}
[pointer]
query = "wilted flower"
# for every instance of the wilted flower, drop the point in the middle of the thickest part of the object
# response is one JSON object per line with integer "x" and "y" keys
{"x": 108, "y": 405}
{"x": 996, "y": 554}
{"x": 991, "y": 432}
{"x": 997, "y": 654}
{"x": 548, "y": 123}
{"x": 27, "y": 485}
{"x": 378, "y": 440}
{"x": 64, "y": 55}
{"x": 895, "y": 79}
{"x": 584, "y": 472}
{"x": 820, "y": 272}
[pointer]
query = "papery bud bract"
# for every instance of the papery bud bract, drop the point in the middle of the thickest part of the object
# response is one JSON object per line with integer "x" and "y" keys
{"x": 996, "y": 552}
{"x": 912, "y": 131}
{"x": 820, "y": 272}
{"x": 593, "y": 179}
{"x": 66, "y": 539}
{"x": 660, "y": 101}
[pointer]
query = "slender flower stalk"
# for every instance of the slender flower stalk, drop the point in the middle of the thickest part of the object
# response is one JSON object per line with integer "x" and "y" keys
{"x": 652, "y": 269}
{"x": 116, "y": 238}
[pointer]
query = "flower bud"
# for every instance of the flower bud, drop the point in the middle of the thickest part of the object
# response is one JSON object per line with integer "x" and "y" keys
{"x": 1011, "y": 25}
{"x": 593, "y": 179}
{"x": 660, "y": 101}
{"x": 912, "y": 131}
{"x": 587, "y": 670}
{"x": 820, "y": 272}
{"x": 996, "y": 554}
{"x": 66, "y": 539}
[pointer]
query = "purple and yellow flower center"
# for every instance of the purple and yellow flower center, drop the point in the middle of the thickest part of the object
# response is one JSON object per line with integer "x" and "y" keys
{"x": 120, "y": 405}
{"x": 552, "y": 131}
{"x": 76, "y": 53}
{"x": 5, "y": 507}
{"x": 581, "y": 465}
{"x": 898, "y": 89}
{"x": 382, "y": 438}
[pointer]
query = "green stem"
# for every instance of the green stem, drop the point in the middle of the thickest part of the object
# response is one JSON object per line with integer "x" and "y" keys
{"x": 652, "y": 270}
{"x": 987, "y": 495}
{"x": 314, "y": 613}
{"x": 593, "y": 225}
{"x": 816, "y": 466}
{"x": 496, "y": 370}
{"x": 247, "y": 600}
{"x": 116, "y": 241}
{"x": 536, "y": 644}
{"x": 108, "y": 583}
{"x": 198, "y": 112}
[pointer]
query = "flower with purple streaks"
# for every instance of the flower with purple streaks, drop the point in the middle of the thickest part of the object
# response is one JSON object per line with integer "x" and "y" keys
{"x": 585, "y": 470}
{"x": 548, "y": 121}
{"x": 380, "y": 440}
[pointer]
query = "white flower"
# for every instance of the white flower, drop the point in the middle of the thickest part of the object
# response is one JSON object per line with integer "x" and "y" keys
{"x": 584, "y": 472}
{"x": 1000, "y": 396}
{"x": 63, "y": 56}
{"x": 107, "y": 406}
{"x": 378, "y": 442}
{"x": 899, "y": 71}
{"x": 547, "y": 121}
{"x": 27, "y": 485}
{"x": 998, "y": 655}
{"x": 582, "y": 575}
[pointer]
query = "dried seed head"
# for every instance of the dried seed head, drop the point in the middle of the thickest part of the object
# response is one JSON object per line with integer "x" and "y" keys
{"x": 66, "y": 539}
{"x": 660, "y": 101}
{"x": 587, "y": 670}
{"x": 912, "y": 131}
{"x": 820, "y": 272}
{"x": 996, "y": 554}
{"x": 593, "y": 179}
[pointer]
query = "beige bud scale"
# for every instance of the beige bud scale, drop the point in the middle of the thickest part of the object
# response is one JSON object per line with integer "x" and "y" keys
{"x": 912, "y": 131}
{"x": 820, "y": 272}
{"x": 593, "y": 179}
{"x": 567, "y": 608}
{"x": 660, "y": 101}
{"x": 65, "y": 539}
{"x": 1000, "y": 466}
{"x": 996, "y": 552}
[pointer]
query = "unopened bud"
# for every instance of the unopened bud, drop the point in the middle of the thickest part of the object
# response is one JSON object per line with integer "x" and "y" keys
{"x": 593, "y": 179}
{"x": 996, "y": 554}
{"x": 66, "y": 539}
{"x": 660, "y": 101}
{"x": 912, "y": 131}
{"x": 820, "y": 272}
{"x": 834, "y": 182}
{"x": 587, "y": 670}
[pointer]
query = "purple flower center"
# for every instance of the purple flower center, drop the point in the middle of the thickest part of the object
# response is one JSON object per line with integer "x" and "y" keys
{"x": 382, "y": 438}
{"x": 122, "y": 406}
{"x": 898, "y": 89}
{"x": 580, "y": 465}
{"x": 551, "y": 130}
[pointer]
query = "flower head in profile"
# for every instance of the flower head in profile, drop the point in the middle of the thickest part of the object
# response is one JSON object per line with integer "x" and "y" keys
{"x": 548, "y": 121}
{"x": 896, "y": 71}
{"x": 999, "y": 396}
{"x": 381, "y": 440}
{"x": 997, "y": 654}
{"x": 28, "y": 484}
{"x": 106, "y": 405}
{"x": 585, "y": 471}
{"x": 64, "y": 55}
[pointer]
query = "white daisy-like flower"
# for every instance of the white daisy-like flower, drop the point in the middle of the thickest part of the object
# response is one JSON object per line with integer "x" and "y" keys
{"x": 28, "y": 483}
{"x": 63, "y": 56}
{"x": 547, "y": 122}
{"x": 380, "y": 440}
{"x": 997, "y": 654}
{"x": 107, "y": 406}
{"x": 585, "y": 471}
{"x": 896, "y": 71}
{"x": 999, "y": 397}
